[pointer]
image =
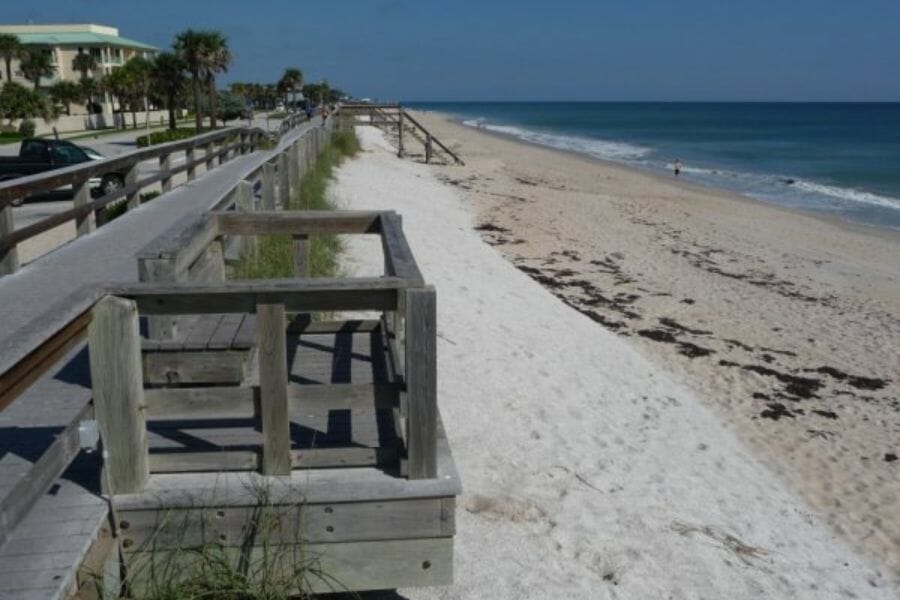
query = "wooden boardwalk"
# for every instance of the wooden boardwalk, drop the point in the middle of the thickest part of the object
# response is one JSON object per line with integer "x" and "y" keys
{"x": 202, "y": 388}
{"x": 42, "y": 298}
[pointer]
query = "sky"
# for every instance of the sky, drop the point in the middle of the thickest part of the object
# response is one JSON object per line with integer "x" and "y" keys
{"x": 685, "y": 50}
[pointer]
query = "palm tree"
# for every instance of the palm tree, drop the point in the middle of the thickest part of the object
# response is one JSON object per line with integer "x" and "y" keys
{"x": 189, "y": 47}
{"x": 85, "y": 63}
{"x": 37, "y": 64}
{"x": 168, "y": 79}
{"x": 205, "y": 53}
{"x": 65, "y": 93}
{"x": 218, "y": 59}
{"x": 10, "y": 48}
{"x": 291, "y": 81}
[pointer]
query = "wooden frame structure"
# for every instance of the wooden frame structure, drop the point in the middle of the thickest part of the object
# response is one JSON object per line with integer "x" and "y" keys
{"x": 187, "y": 346}
{"x": 394, "y": 115}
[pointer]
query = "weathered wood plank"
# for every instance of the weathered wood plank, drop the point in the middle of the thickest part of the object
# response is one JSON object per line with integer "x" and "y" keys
{"x": 204, "y": 462}
{"x": 298, "y": 222}
{"x": 115, "y": 358}
{"x": 209, "y": 367}
{"x": 223, "y": 337}
{"x": 345, "y": 566}
{"x": 284, "y": 181}
{"x": 57, "y": 344}
{"x": 300, "y": 255}
{"x": 421, "y": 381}
{"x": 9, "y": 253}
{"x": 201, "y": 332}
{"x": 199, "y": 403}
{"x": 268, "y": 186}
{"x": 309, "y": 523}
{"x": 245, "y": 337}
{"x": 273, "y": 376}
{"x": 238, "y": 402}
{"x": 303, "y": 325}
{"x": 21, "y": 497}
{"x": 398, "y": 257}
{"x": 162, "y": 327}
{"x": 209, "y": 266}
{"x": 84, "y": 224}
{"x": 318, "y": 294}
{"x": 247, "y": 460}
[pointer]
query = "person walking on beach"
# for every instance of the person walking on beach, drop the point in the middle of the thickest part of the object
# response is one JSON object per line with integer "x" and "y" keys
{"x": 677, "y": 167}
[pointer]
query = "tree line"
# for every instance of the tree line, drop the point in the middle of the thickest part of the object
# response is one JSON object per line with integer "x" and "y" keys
{"x": 183, "y": 76}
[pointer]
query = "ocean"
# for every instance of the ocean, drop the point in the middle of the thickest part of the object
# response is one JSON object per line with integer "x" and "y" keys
{"x": 842, "y": 159}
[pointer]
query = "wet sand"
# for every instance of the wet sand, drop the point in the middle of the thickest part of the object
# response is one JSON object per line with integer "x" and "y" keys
{"x": 787, "y": 324}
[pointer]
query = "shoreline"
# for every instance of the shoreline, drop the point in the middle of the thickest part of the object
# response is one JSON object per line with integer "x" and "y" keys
{"x": 786, "y": 323}
{"x": 859, "y": 226}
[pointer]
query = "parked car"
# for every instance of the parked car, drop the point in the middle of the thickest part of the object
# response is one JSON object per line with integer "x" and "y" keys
{"x": 38, "y": 155}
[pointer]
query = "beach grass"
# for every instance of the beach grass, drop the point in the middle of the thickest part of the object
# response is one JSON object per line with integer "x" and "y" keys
{"x": 270, "y": 561}
{"x": 274, "y": 258}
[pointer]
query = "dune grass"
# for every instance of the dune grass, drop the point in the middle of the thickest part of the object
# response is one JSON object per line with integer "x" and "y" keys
{"x": 270, "y": 560}
{"x": 274, "y": 257}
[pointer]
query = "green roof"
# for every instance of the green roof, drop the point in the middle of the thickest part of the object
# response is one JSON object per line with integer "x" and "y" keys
{"x": 65, "y": 38}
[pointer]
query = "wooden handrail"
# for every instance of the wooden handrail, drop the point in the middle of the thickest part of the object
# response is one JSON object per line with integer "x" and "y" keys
{"x": 218, "y": 145}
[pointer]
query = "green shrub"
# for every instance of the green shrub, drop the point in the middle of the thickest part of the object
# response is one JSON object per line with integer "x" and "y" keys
{"x": 119, "y": 208}
{"x": 346, "y": 142}
{"x": 274, "y": 257}
{"x": 168, "y": 135}
{"x": 27, "y": 128}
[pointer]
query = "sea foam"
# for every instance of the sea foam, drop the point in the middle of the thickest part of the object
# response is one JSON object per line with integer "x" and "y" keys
{"x": 604, "y": 149}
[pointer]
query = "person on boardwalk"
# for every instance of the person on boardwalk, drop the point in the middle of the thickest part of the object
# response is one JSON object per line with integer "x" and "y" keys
{"x": 677, "y": 167}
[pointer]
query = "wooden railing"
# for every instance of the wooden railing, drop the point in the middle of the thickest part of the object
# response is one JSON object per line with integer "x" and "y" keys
{"x": 107, "y": 316}
{"x": 396, "y": 116}
{"x": 216, "y": 147}
{"x": 277, "y": 178}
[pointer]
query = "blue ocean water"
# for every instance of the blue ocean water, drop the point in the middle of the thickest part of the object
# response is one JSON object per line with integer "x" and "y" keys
{"x": 837, "y": 158}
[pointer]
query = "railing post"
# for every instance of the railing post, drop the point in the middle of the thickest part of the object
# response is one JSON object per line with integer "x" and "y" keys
{"x": 421, "y": 381}
{"x": 118, "y": 389}
{"x": 400, "y": 151}
{"x": 268, "y": 186}
{"x": 159, "y": 327}
{"x": 84, "y": 224}
{"x": 209, "y": 149}
{"x": 242, "y": 149}
{"x": 133, "y": 200}
{"x": 244, "y": 201}
{"x": 271, "y": 339}
{"x": 301, "y": 161}
{"x": 428, "y": 148}
{"x": 9, "y": 255}
{"x": 293, "y": 167}
{"x": 300, "y": 248}
{"x": 189, "y": 159}
{"x": 224, "y": 151}
{"x": 284, "y": 180}
{"x": 165, "y": 164}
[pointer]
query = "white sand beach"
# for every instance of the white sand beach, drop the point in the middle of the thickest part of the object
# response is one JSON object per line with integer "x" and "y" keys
{"x": 589, "y": 471}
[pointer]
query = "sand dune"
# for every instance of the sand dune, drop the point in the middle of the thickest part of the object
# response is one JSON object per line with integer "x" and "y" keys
{"x": 589, "y": 472}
